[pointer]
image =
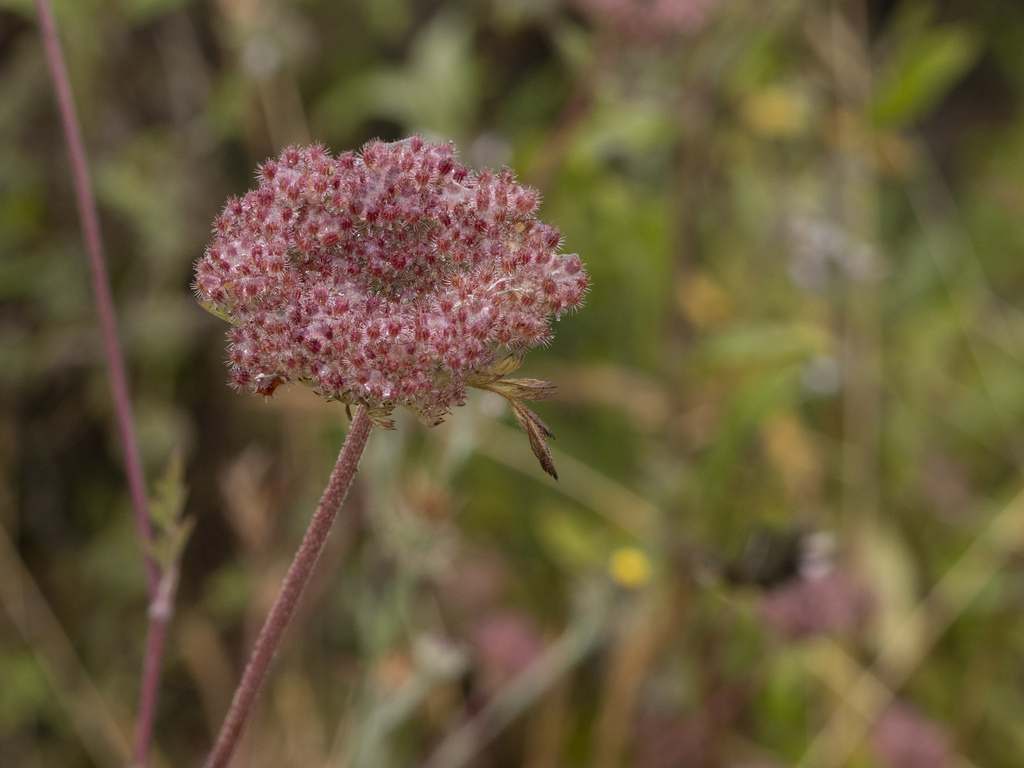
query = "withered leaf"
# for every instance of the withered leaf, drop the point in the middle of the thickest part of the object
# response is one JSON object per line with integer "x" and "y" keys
{"x": 538, "y": 432}
{"x": 509, "y": 365}
{"x": 377, "y": 416}
{"x": 522, "y": 389}
{"x": 380, "y": 417}
{"x": 501, "y": 368}
{"x": 515, "y": 391}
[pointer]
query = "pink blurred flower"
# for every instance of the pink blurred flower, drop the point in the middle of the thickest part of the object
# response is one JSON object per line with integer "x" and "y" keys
{"x": 831, "y": 604}
{"x": 473, "y": 582}
{"x": 905, "y": 738}
{"x": 649, "y": 19}
{"x": 695, "y": 739}
{"x": 385, "y": 278}
{"x": 506, "y": 644}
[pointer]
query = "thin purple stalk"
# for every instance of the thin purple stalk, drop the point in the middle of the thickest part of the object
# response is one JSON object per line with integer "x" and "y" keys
{"x": 161, "y": 590}
{"x": 101, "y": 286}
{"x": 295, "y": 582}
{"x": 161, "y": 609}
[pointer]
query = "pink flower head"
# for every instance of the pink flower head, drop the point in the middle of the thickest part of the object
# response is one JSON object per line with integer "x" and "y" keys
{"x": 387, "y": 278}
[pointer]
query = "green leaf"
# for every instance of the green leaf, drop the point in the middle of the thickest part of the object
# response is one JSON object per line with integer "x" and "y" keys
{"x": 925, "y": 70}
{"x": 169, "y": 493}
{"x": 165, "y": 508}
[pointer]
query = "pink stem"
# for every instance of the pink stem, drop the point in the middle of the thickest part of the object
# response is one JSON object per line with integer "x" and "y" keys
{"x": 161, "y": 609}
{"x": 161, "y": 589}
{"x": 100, "y": 286}
{"x": 294, "y": 583}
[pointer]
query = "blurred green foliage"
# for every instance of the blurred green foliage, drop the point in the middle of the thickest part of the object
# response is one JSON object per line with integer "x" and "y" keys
{"x": 802, "y": 220}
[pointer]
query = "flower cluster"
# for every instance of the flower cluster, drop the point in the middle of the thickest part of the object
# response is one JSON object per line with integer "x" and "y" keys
{"x": 386, "y": 278}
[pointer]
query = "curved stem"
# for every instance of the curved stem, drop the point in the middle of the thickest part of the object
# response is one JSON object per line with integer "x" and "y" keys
{"x": 101, "y": 287}
{"x": 294, "y": 583}
{"x": 160, "y": 586}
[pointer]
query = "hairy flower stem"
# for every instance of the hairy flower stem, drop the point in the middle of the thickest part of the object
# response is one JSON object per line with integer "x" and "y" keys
{"x": 295, "y": 582}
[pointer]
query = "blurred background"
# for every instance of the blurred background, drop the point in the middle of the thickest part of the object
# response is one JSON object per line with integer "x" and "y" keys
{"x": 788, "y": 529}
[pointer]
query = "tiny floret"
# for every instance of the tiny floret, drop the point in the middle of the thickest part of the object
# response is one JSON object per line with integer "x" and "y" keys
{"x": 392, "y": 277}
